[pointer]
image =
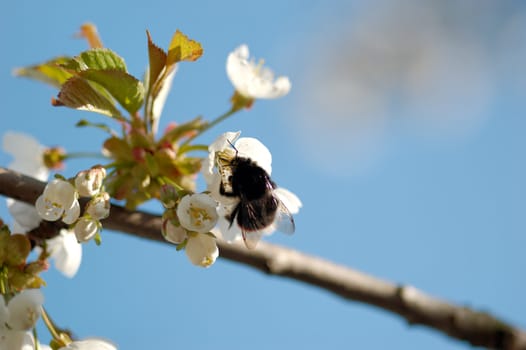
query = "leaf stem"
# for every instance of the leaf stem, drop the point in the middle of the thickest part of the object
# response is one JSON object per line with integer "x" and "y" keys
{"x": 84, "y": 155}
{"x": 211, "y": 125}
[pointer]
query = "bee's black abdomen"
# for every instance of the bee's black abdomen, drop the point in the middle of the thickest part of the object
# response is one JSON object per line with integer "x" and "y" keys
{"x": 258, "y": 214}
{"x": 249, "y": 181}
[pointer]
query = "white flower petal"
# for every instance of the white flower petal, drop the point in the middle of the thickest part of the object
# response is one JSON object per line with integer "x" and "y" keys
{"x": 251, "y": 79}
{"x": 90, "y": 344}
{"x": 229, "y": 233}
{"x": 41, "y": 347}
{"x": 172, "y": 233}
{"x": 24, "y": 166}
{"x": 289, "y": 199}
{"x": 249, "y": 147}
{"x": 86, "y": 228}
{"x": 202, "y": 250}
{"x": 4, "y": 313}
{"x": 28, "y": 343}
{"x": 89, "y": 182}
{"x": 19, "y": 340}
{"x": 223, "y": 141}
{"x": 47, "y": 210}
{"x": 99, "y": 206}
{"x": 24, "y": 309}
{"x": 62, "y": 192}
{"x": 66, "y": 251}
{"x": 25, "y": 215}
{"x": 72, "y": 214}
{"x": 20, "y": 145}
{"x": 27, "y": 153}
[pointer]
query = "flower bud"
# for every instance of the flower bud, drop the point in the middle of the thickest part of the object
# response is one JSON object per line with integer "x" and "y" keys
{"x": 86, "y": 228}
{"x": 99, "y": 206}
{"x": 89, "y": 182}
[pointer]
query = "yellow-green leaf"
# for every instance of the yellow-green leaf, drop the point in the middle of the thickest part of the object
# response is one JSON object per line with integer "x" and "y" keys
{"x": 100, "y": 59}
{"x": 126, "y": 89}
{"x": 52, "y": 72}
{"x": 183, "y": 49}
{"x": 19, "y": 280}
{"x": 77, "y": 93}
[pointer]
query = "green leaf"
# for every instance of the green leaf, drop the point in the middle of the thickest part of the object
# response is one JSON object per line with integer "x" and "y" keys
{"x": 99, "y": 59}
{"x": 79, "y": 94}
{"x": 52, "y": 72}
{"x": 183, "y": 49}
{"x": 126, "y": 89}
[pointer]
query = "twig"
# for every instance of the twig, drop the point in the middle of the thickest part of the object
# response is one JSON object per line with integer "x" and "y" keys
{"x": 475, "y": 327}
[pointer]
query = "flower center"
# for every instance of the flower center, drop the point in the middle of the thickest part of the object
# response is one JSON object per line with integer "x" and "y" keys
{"x": 198, "y": 216}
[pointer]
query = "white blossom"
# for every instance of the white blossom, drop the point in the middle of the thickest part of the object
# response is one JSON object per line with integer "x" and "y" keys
{"x": 24, "y": 309}
{"x": 89, "y": 344}
{"x": 197, "y": 212}
{"x": 202, "y": 249}
{"x": 89, "y": 182}
{"x": 252, "y": 80}
{"x": 59, "y": 201}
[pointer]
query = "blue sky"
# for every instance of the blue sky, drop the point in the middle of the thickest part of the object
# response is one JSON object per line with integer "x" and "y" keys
{"x": 415, "y": 175}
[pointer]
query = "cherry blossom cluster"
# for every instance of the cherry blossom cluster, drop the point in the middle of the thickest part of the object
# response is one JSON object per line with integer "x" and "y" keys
{"x": 60, "y": 201}
{"x": 29, "y": 158}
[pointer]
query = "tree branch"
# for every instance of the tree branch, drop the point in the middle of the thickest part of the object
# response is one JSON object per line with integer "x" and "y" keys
{"x": 477, "y": 328}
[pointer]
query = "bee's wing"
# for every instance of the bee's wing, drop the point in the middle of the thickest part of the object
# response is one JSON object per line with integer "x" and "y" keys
{"x": 251, "y": 238}
{"x": 284, "y": 222}
{"x": 254, "y": 224}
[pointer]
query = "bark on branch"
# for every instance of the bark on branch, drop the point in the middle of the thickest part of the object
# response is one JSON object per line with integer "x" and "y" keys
{"x": 475, "y": 327}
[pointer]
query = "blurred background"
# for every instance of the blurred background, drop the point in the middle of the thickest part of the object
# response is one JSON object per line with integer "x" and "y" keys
{"x": 403, "y": 135}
